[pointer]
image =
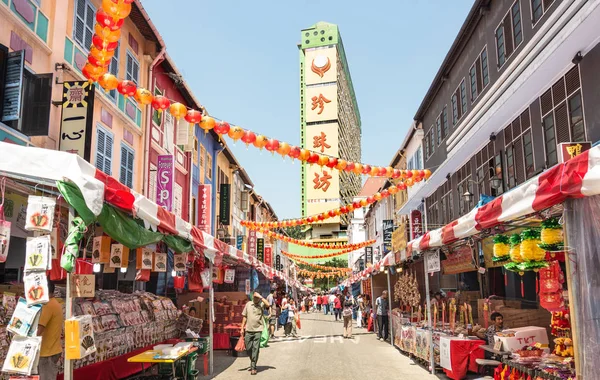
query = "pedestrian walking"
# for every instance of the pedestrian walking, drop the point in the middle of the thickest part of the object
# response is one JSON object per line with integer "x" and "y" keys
{"x": 272, "y": 313}
{"x": 290, "y": 326}
{"x": 50, "y": 328}
{"x": 382, "y": 306}
{"x": 360, "y": 310}
{"x": 337, "y": 307}
{"x": 318, "y": 301}
{"x": 347, "y": 314}
{"x": 330, "y": 301}
{"x": 325, "y": 303}
{"x": 252, "y": 327}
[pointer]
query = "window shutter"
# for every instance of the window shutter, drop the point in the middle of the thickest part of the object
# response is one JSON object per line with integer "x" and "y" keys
{"x": 547, "y": 4}
{"x": 13, "y": 93}
{"x": 169, "y": 132}
{"x": 129, "y": 67}
{"x": 516, "y": 127}
{"x": 38, "y": 98}
{"x": 572, "y": 80}
{"x": 90, "y": 20}
{"x": 79, "y": 31}
{"x": 519, "y": 163}
{"x": 508, "y": 135}
{"x": 558, "y": 91}
{"x": 100, "y": 147}
{"x": 562, "y": 124}
{"x": 508, "y": 35}
{"x": 478, "y": 71}
{"x": 525, "y": 120}
{"x": 123, "y": 174}
{"x": 130, "y": 157}
{"x": 546, "y": 102}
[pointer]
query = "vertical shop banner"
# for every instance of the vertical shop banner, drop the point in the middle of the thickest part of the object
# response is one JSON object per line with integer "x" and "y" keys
{"x": 239, "y": 242}
{"x": 269, "y": 254}
{"x": 278, "y": 265}
{"x": 229, "y": 276}
{"x": 224, "y": 203}
{"x": 416, "y": 223}
{"x": 260, "y": 249}
{"x": 164, "y": 181}
{"x": 204, "y": 208}
{"x": 252, "y": 243}
{"x": 77, "y": 118}
{"x": 433, "y": 261}
{"x": 369, "y": 255}
{"x": 388, "y": 230}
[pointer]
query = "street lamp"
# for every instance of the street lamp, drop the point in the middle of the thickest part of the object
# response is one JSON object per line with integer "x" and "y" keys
{"x": 495, "y": 182}
{"x": 468, "y": 196}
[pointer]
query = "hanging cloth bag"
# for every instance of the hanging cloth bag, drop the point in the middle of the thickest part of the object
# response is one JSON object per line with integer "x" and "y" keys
{"x": 4, "y": 225}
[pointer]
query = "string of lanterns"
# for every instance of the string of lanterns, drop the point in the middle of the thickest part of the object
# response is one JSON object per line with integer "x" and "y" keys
{"x": 328, "y": 214}
{"x": 319, "y": 274}
{"x": 105, "y": 41}
{"x": 308, "y": 244}
{"x": 322, "y": 267}
{"x": 324, "y": 256}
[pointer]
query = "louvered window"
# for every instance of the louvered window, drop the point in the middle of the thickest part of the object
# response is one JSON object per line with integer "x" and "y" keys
{"x": 152, "y": 183}
{"x": 550, "y": 140}
{"x": 576, "y": 118}
{"x": 444, "y": 122}
{"x": 104, "y": 148}
{"x": 473, "y": 79}
{"x": 484, "y": 68}
{"x": 127, "y": 157}
{"x": 133, "y": 68}
{"x": 500, "y": 48}
{"x": 432, "y": 138}
{"x": 84, "y": 23}
{"x": 510, "y": 167}
{"x": 520, "y": 163}
{"x": 455, "y": 109}
{"x": 463, "y": 97}
{"x": 509, "y": 34}
{"x": 516, "y": 23}
{"x": 169, "y": 129}
{"x": 438, "y": 128}
{"x": 427, "y": 149}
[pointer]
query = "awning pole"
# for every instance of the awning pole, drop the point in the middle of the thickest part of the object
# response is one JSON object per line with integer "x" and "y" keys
{"x": 429, "y": 322}
{"x": 211, "y": 302}
{"x": 390, "y": 324}
{"x": 68, "y": 367}
{"x": 572, "y": 283}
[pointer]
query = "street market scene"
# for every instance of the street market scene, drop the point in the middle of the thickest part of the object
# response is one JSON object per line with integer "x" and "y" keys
{"x": 161, "y": 217}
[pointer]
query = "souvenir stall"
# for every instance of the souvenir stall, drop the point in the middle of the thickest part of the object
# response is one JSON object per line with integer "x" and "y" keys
{"x": 539, "y": 251}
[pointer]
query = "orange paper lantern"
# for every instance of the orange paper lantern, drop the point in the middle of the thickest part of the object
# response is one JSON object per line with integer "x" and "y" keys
{"x": 106, "y": 34}
{"x": 260, "y": 142}
{"x": 116, "y": 9}
{"x": 207, "y": 123}
{"x": 108, "y": 82}
{"x": 304, "y": 155}
{"x": 143, "y": 96}
{"x": 284, "y": 149}
{"x": 323, "y": 160}
{"x": 178, "y": 110}
{"x": 235, "y": 133}
{"x": 358, "y": 168}
{"x": 427, "y": 173}
{"x": 341, "y": 164}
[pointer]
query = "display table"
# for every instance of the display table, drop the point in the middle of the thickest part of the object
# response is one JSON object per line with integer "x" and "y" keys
{"x": 457, "y": 356}
{"x": 113, "y": 368}
{"x": 152, "y": 357}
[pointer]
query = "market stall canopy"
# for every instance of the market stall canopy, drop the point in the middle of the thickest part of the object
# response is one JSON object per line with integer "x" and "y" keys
{"x": 576, "y": 178}
{"x": 388, "y": 260}
{"x": 88, "y": 189}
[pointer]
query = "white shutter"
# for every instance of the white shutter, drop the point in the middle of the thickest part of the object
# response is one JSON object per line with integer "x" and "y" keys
{"x": 152, "y": 183}
{"x": 182, "y": 137}
{"x": 133, "y": 68}
{"x": 114, "y": 68}
{"x": 104, "y": 145}
{"x": 245, "y": 206}
{"x": 169, "y": 132}
{"x": 13, "y": 93}
{"x": 126, "y": 173}
{"x": 178, "y": 200}
{"x": 84, "y": 23}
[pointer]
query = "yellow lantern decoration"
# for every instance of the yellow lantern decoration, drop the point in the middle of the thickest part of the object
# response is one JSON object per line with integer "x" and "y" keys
{"x": 284, "y": 149}
{"x": 235, "y": 133}
{"x": 106, "y": 34}
{"x": 178, "y": 110}
{"x": 501, "y": 248}
{"x": 552, "y": 235}
{"x": 514, "y": 253}
{"x": 532, "y": 255}
{"x": 108, "y": 82}
{"x": 143, "y": 96}
{"x": 207, "y": 123}
{"x": 116, "y": 9}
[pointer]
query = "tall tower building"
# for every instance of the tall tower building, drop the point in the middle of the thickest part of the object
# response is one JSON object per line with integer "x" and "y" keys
{"x": 330, "y": 124}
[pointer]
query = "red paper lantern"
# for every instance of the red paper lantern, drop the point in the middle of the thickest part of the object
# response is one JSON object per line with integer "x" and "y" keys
{"x": 396, "y": 173}
{"x": 418, "y": 179}
{"x": 160, "y": 103}
{"x": 222, "y": 128}
{"x": 127, "y": 88}
{"x": 103, "y": 45}
{"x": 385, "y": 193}
{"x": 310, "y": 219}
{"x": 331, "y": 213}
{"x": 294, "y": 152}
{"x": 107, "y": 21}
{"x": 343, "y": 210}
{"x": 331, "y": 162}
{"x": 349, "y": 167}
{"x": 370, "y": 199}
{"x": 98, "y": 63}
{"x": 408, "y": 173}
{"x": 320, "y": 217}
{"x": 383, "y": 172}
{"x": 357, "y": 205}
{"x": 193, "y": 116}
{"x": 272, "y": 145}
{"x": 313, "y": 158}
{"x": 366, "y": 169}
{"x": 249, "y": 137}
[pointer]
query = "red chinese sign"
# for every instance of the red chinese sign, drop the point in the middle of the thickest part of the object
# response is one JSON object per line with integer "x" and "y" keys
{"x": 204, "y": 208}
{"x": 566, "y": 151}
{"x": 268, "y": 255}
{"x": 252, "y": 243}
{"x": 322, "y": 182}
{"x": 416, "y": 223}
{"x": 319, "y": 101}
{"x": 321, "y": 142}
{"x": 459, "y": 261}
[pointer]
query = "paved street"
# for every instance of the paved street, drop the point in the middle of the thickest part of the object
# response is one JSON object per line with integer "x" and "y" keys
{"x": 321, "y": 352}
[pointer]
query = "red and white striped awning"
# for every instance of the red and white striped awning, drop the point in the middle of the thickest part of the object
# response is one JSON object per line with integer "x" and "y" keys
{"x": 98, "y": 187}
{"x": 576, "y": 178}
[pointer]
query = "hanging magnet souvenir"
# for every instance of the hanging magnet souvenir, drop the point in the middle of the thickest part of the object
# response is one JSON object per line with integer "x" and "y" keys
{"x": 40, "y": 213}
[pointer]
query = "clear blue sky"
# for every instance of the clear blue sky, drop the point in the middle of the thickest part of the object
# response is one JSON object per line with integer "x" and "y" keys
{"x": 240, "y": 58}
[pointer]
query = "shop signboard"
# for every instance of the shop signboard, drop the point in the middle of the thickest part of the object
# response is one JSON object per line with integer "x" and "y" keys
{"x": 224, "y": 203}
{"x": 268, "y": 254}
{"x": 416, "y": 223}
{"x": 388, "y": 229}
{"x": 569, "y": 150}
{"x": 204, "y": 209}
{"x": 369, "y": 255}
{"x": 459, "y": 261}
{"x": 164, "y": 181}
{"x": 77, "y": 119}
{"x": 252, "y": 243}
{"x": 445, "y": 353}
{"x": 239, "y": 241}
{"x": 229, "y": 276}
{"x": 278, "y": 265}
{"x": 83, "y": 285}
{"x": 260, "y": 249}
{"x": 433, "y": 261}
{"x": 399, "y": 238}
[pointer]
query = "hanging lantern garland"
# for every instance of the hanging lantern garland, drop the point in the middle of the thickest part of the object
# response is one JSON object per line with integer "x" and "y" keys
{"x": 501, "y": 248}
{"x": 324, "y": 256}
{"x": 308, "y": 244}
{"x": 319, "y": 274}
{"x": 322, "y": 267}
{"x": 318, "y": 218}
{"x": 552, "y": 238}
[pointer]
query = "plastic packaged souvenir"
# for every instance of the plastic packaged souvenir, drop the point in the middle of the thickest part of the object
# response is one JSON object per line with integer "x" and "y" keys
{"x": 4, "y": 234}
{"x": 40, "y": 213}
{"x": 22, "y": 354}
{"x": 36, "y": 288}
{"x": 79, "y": 337}
{"x": 160, "y": 262}
{"x": 38, "y": 254}
{"x": 24, "y": 318}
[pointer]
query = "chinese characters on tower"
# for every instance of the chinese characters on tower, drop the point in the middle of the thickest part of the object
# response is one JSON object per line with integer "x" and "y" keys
{"x": 319, "y": 101}
{"x": 320, "y": 141}
{"x": 322, "y": 182}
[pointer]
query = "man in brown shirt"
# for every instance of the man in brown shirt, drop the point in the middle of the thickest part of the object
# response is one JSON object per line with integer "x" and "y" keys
{"x": 252, "y": 327}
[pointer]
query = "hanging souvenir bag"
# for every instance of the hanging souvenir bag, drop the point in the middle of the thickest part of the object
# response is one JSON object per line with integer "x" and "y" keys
{"x": 22, "y": 355}
{"x": 36, "y": 288}
{"x": 38, "y": 253}
{"x": 4, "y": 225}
{"x": 40, "y": 213}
